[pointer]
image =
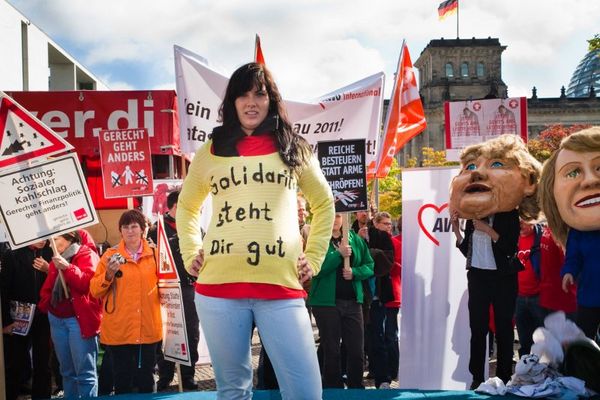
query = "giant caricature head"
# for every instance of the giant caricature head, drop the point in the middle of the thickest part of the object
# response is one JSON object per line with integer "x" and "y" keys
{"x": 498, "y": 175}
{"x": 570, "y": 184}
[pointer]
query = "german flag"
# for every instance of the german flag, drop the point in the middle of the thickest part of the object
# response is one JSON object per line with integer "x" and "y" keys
{"x": 446, "y": 8}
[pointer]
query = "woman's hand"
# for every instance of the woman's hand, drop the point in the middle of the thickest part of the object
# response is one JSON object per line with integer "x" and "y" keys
{"x": 345, "y": 251}
{"x": 305, "y": 272}
{"x": 8, "y": 329}
{"x": 40, "y": 264}
{"x": 566, "y": 282}
{"x": 112, "y": 268}
{"x": 60, "y": 263}
{"x": 347, "y": 273}
{"x": 197, "y": 263}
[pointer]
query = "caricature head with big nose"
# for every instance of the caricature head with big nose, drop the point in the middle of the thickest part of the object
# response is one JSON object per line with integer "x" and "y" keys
{"x": 498, "y": 175}
{"x": 570, "y": 184}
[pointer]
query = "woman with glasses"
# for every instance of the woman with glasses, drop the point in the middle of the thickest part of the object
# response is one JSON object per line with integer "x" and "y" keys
{"x": 131, "y": 327}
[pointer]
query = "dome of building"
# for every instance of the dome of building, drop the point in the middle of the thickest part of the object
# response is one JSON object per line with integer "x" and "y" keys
{"x": 586, "y": 74}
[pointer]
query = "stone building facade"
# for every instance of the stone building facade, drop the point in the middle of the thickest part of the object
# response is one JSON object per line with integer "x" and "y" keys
{"x": 470, "y": 69}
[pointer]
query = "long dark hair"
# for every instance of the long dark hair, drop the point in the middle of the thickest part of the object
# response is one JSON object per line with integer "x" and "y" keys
{"x": 293, "y": 149}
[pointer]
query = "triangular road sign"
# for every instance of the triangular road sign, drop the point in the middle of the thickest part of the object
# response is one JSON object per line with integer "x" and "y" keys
{"x": 23, "y": 137}
{"x": 167, "y": 272}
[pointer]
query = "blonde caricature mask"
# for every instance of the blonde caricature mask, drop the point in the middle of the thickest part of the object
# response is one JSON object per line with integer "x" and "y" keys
{"x": 498, "y": 175}
{"x": 570, "y": 194}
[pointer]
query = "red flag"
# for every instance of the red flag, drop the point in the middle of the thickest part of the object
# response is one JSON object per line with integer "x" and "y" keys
{"x": 405, "y": 117}
{"x": 258, "y": 54}
{"x": 446, "y": 8}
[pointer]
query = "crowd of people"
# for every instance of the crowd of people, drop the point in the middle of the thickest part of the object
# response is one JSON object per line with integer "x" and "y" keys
{"x": 261, "y": 265}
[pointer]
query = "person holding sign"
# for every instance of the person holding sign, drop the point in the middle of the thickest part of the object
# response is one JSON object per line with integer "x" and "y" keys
{"x": 74, "y": 316}
{"x": 496, "y": 185}
{"x": 336, "y": 297}
{"x": 250, "y": 265}
{"x": 131, "y": 328}
{"x": 22, "y": 276}
{"x": 166, "y": 368}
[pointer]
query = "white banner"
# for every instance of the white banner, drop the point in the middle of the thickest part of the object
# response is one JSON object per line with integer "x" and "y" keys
{"x": 45, "y": 200}
{"x": 434, "y": 329}
{"x": 352, "y": 112}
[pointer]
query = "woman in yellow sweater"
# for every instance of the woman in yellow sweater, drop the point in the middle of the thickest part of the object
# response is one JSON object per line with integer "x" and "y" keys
{"x": 250, "y": 264}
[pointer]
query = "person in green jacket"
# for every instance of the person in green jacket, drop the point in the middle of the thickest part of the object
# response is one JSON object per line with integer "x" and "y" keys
{"x": 336, "y": 296}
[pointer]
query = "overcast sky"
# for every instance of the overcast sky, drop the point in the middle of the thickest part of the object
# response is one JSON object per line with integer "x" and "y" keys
{"x": 312, "y": 46}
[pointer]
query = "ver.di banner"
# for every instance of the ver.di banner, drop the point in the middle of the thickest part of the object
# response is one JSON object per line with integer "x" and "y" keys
{"x": 352, "y": 112}
{"x": 79, "y": 116}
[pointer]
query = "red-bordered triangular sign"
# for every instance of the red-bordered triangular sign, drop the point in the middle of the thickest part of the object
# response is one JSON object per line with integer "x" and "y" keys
{"x": 23, "y": 137}
{"x": 167, "y": 272}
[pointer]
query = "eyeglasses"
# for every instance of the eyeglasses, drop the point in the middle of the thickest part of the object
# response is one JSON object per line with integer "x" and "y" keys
{"x": 131, "y": 227}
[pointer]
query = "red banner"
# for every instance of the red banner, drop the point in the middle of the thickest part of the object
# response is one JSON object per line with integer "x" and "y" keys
{"x": 126, "y": 163}
{"x": 79, "y": 116}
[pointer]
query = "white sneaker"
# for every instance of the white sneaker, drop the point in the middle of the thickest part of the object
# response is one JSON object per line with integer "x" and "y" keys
{"x": 385, "y": 385}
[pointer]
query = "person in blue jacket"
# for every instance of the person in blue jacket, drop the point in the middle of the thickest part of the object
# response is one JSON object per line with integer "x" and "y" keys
{"x": 570, "y": 198}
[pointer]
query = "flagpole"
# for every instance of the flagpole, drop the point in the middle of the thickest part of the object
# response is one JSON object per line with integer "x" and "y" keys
{"x": 457, "y": 17}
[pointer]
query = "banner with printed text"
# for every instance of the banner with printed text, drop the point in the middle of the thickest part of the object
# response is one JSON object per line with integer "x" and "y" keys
{"x": 45, "y": 200}
{"x": 343, "y": 164}
{"x": 126, "y": 163}
{"x": 434, "y": 328}
{"x": 475, "y": 121}
{"x": 352, "y": 112}
{"x": 79, "y": 116}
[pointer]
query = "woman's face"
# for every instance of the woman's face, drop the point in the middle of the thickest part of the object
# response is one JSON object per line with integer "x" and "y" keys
{"x": 131, "y": 234}
{"x": 385, "y": 224}
{"x": 487, "y": 186}
{"x": 252, "y": 108}
{"x": 577, "y": 189}
{"x": 61, "y": 244}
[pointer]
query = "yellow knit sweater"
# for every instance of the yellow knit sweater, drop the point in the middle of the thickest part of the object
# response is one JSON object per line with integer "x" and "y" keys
{"x": 253, "y": 234}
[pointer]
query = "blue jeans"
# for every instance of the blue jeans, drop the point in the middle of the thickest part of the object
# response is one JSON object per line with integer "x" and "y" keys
{"x": 528, "y": 317}
{"x": 77, "y": 357}
{"x": 285, "y": 331}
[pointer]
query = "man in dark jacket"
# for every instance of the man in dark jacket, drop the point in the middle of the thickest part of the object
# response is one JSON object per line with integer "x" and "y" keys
{"x": 166, "y": 368}
{"x": 22, "y": 274}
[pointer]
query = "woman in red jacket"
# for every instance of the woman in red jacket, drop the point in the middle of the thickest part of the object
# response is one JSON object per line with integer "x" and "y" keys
{"x": 74, "y": 315}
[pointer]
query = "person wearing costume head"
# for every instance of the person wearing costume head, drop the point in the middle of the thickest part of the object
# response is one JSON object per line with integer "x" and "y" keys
{"x": 250, "y": 265}
{"x": 496, "y": 185}
{"x": 570, "y": 198}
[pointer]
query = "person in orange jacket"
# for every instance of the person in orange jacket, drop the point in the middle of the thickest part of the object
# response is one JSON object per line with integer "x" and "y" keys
{"x": 131, "y": 327}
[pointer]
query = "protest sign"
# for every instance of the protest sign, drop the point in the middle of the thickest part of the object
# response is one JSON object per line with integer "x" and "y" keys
{"x": 343, "y": 164}
{"x": 175, "y": 345}
{"x": 126, "y": 163}
{"x": 23, "y": 137}
{"x": 167, "y": 272}
{"x": 472, "y": 122}
{"x": 44, "y": 200}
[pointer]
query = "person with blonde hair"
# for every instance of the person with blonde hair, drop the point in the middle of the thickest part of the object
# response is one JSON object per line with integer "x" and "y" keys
{"x": 570, "y": 198}
{"x": 496, "y": 185}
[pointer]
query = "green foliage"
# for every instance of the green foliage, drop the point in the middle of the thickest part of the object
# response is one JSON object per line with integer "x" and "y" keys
{"x": 549, "y": 139}
{"x": 594, "y": 43}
